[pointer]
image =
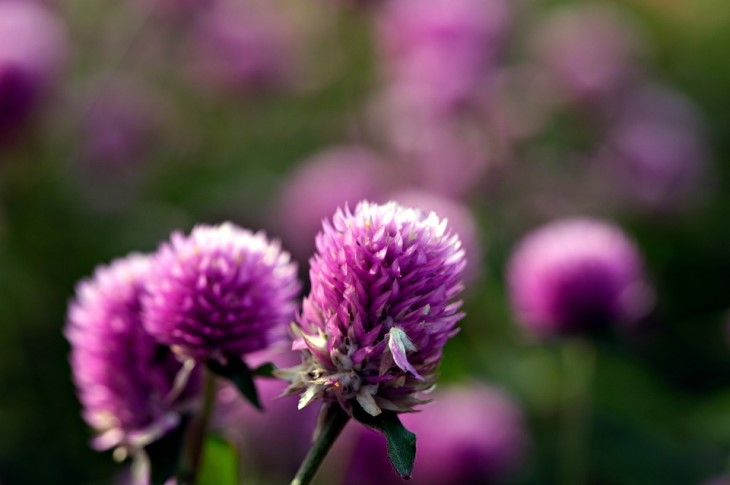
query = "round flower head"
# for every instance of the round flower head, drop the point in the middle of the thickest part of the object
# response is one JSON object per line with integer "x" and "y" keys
{"x": 381, "y": 307}
{"x": 220, "y": 292}
{"x": 576, "y": 275}
{"x": 125, "y": 379}
{"x": 485, "y": 440}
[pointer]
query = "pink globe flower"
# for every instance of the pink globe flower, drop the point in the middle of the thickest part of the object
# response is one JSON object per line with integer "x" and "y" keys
{"x": 576, "y": 275}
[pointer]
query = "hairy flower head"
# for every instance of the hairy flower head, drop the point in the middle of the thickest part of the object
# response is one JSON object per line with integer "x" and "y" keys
{"x": 221, "y": 292}
{"x": 381, "y": 308}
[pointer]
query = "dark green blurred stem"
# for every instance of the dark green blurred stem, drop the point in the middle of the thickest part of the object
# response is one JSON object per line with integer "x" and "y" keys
{"x": 331, "y": 427}
{"x": 195, "y": 439}
{"x": 578, "y": 369}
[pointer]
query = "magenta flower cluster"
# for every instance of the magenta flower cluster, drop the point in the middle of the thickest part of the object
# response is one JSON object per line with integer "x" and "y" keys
{"x": 220, "y": 293}
{"x": 382, "y": 305}
{"x": 138, "y": 327}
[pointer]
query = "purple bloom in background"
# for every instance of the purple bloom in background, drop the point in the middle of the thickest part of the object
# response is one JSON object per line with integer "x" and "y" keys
{"x": 657, "y": 149}
{"x": 237, "y": 47}
{"x": 221, "y": 292}
{"x": 441, "y": 49}
{"x": 119, "y": 127}
{"x": 262, "y": 437}
{"x": 459, "y": 218}
{"x": 468, "y": 435}
{"x": 442, "y": 152}
{"x": 124, "y": 378}
{"x": 350, "y": 173}
{"x": 590, "y": 50}
{"x": 32, "y": 52}
{"x": 576, "y": 275}
{"x": 384, "y": 280}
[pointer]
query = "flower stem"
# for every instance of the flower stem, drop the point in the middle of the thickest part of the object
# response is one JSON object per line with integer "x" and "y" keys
{"x": 579, "y": 362}
{"x": 332, "y": 425}
{"x": 195, "y": 440}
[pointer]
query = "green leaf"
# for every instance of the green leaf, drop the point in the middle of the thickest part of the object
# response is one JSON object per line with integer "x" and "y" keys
{"x": 164, "y": 454}
{"x": 265, "y": 370}
{"x": 220, "y": 463}
{"x": 401, "y": 442}
{"x": 236, "y": 371}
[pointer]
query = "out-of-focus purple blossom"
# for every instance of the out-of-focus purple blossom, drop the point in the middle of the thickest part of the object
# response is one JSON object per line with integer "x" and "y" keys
{"x": 125, "y": 379}
{"x": 219, "y": 293}
{"x": 468, "y": 435}
{"x": 262, "y": 437}
{"x": 119, "y": 126}
{"x": 441, "y": 49}
{"x": 591, "y": 51}
{"x": 324, "y": 182}
{"x": 459, "y": 218}
{"x": 657, "y": 149}
{"x": 443, "y": 152}
{"x": 520, "y": 102}
{"x": 32, "y": 53}
{"x": 384, "y": 280}
{"x": 242, "y": 46}
{"x": 576, "y": 275}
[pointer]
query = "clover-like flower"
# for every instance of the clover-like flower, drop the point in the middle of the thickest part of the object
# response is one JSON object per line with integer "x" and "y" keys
{"x": 577, "y": 275}
{"x": 220, "y": 293}
{"x": 382, "y": 305}
{"x": 126, "y": 381}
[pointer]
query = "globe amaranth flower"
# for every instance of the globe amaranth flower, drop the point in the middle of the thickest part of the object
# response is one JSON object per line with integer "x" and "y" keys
{"x": 125, "y": 379}
{"x": 468, "y": 435}
{"x": 219, "y": 293}
{"x": 380, "y": 310}
{"x": 576, "y": 275}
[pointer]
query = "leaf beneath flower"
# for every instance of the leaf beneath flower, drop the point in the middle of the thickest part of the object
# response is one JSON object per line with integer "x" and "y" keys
{"x": 236, "y": 371}
{"x": 220, "y": 462}
{"x": 401, "y": 442}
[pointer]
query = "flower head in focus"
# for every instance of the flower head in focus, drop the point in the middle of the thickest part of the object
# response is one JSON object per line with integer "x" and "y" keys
{"x": 220, "y": 292}
{"x": 576, "y": 275}
{"x": 381, "y": 308}
{"x": 125, "y": 379}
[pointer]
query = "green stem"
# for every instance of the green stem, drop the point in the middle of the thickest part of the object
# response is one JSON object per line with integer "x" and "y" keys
{"x": 195, "y": 439}
{"x": 579, "y": 362}
{"x": 333, "y": 424}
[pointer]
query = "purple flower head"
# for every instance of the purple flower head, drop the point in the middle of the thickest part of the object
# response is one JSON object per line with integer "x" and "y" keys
{"x": 576, "y": 275}
{"x": 468, "y": 435}
{"x": 442, "y": 48}
{"x": 32, "y": 51}
{"x": 591, "y": 51}
{"x": 380, "y": 310}
{"x": 125, "y": 379}
{"x": 238, "y": 47}
{"x": 351, "y": 173}
{"x": 221, "y": 292}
